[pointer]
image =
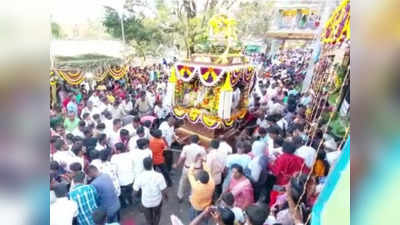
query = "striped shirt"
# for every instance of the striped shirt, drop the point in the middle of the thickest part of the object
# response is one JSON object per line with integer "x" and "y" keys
{"x": 85, "y": 196}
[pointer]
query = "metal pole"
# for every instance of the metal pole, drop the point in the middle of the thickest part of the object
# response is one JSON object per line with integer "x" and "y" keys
{"x": 122, "y": 26}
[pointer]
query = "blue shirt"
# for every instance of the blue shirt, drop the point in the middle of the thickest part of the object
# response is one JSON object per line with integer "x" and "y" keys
{"x": 108, "y": 198}
{"x": 85, "y": 196}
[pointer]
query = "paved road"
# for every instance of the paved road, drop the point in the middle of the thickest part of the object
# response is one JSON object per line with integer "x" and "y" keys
{"x": 170, "y": 207}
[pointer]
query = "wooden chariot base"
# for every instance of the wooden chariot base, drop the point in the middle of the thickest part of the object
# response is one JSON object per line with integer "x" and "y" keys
{"x": 205, "y": 134}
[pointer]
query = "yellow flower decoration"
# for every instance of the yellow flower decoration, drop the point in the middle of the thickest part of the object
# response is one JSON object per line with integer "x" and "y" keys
{"x": 210, "y": 72}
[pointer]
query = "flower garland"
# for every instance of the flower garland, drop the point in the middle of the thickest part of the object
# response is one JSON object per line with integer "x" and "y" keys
{"x": 228, "y": 123}
{"x": 117, "y": 72}
{"x": 210, "y": 76}
{"x": 100, "y": 74}
{"x": 179, "y": 92}
{"x": 248, "y": 74}
{"x": 53, "y": 78}
{"x": 337, "y": 28}
{"x": 252, "y": 85}
{"x": 235, "y": 76}
{"x": 186, "y": 73}
{"x": 195, "y": 115}
{"x": 73, "y": 77}
{"x": 76, "y": 76}
{"x": 289, "y": 12}
{"x": 179, "y": 112}
{"x": 210, "y": 121}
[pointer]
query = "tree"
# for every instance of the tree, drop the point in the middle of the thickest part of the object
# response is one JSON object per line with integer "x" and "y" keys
{"x": 183, "y": 24}
{"x": 56, "y": 30}
{"x": 253, "y": 19}
{"x": 140, "y": 33}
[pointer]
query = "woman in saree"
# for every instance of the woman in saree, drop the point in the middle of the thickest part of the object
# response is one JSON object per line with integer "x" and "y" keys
{"x": 241, "y": 188}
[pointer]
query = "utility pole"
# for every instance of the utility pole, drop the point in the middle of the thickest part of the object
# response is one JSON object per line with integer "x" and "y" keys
{"x": 121, "y": 15}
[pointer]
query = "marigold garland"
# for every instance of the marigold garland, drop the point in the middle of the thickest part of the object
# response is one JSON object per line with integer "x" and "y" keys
{"x": 210, "y": 121}
{"x": 117, "y": 72}
{"x": 337, "y": 28}
{"x": 195, "y": 115}
{"x": 100, "y": 74}
{"x": 73, "y": 77}
{"x": 186, "y": 73}
{"x": 236, "y": 75}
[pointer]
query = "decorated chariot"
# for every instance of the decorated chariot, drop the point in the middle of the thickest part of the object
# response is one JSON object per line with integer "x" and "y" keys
{"x": 209, "y": 92}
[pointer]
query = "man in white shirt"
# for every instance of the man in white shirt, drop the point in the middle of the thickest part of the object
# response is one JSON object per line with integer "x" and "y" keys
{"x": 146, "y": 127}
{"x": 101, "y": 142}
{"x": 139, "y": 154}
{"x": 332, "y": 156}
{"x": 94, "y": 99}
{"x": 272, "y": 91}
{"x": 275, "y": 107}
{"x": 227, "y": 200}
{"x": 113, "y": 134}
{"x": 258, "y": 147}
{"x": 306, "y": 99}
{"x": 224, "y": 146}
{"x": 79, "y": 130}
{"x": 63, "y": 210}
{"x": 124, "y": 161}
{"x": 160, "y": 111}
{"x": 153, "y": 188}
{"x": 188, "y": 157}
{"x": 63, "y": 155}
{"x": 116, "y": 110}
{"x": 127, "y": 105}
{"x": 131, "y": 127}
{"x": 307, "y": 153}
{"x": 89, "y": 109}
{"x": 143, "y": 105}
{"x": 168, "y": 131}
{"x": 78, "y": 154}
{"x": 215, "y": 161}
{"x": 132, "y": 144}
{"x": 107, "y": 120}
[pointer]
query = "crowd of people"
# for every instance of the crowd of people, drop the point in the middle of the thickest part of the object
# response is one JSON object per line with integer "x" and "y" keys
{"x": 287, "y": 63}
{"x": 111, "y": 147}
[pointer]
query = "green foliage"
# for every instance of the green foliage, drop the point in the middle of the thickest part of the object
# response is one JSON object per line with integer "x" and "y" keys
{"x": 183, "y": 23}
{"x": 338, "y": 126}
{"x": 253, "y": 18}
{"x": 85, "y": 61}
{"x": 143, "y": 35}
{"x": 56, "y": 30}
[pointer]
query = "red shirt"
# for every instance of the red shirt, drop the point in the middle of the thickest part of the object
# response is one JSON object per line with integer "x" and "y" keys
{"x": 285, "y": 166}
{"x": 66, "y": 101}
{"x": 157, "y": 146}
